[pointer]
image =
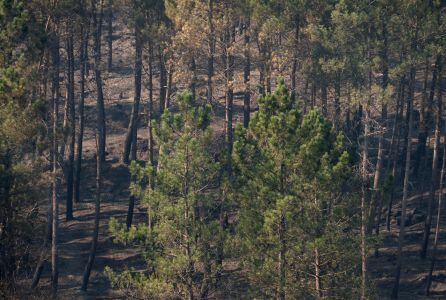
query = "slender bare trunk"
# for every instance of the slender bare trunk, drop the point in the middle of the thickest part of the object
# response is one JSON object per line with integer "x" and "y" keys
{"x": 397, "y": 131}
{"x": 169, "y": 86}
{"x": 317, "y": 274}
{"x": 132, "y": 132}
{"x": 72, "y": 128}
{"x": 406, "y": 184}
{"x": 55, "y": 180}
{"x": 437, "y": 227}
{"x": 150, "y": 108}
{"x": 80, "y": 137}
{"x": 110, "y": 34}
{"x": 100, "y": 152}
{"x": 132, "y": 129}
{"x": 434, "y": 174}
{"x": 295, "y": 62}
{"x": 43, "y": 251}
{"x": 246, "y": 77}
{"x": 211, "y": 54}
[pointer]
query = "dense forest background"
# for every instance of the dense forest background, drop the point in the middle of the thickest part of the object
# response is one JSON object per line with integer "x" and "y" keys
{"x": 222, "y": 149}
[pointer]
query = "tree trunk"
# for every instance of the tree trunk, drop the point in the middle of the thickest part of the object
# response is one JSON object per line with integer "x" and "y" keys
{"x": 80, "y": 137}
{"x": 162, "y": 81}
{"x": 211, "y": 54}
{"x": 397, "y": 127}
{"x": 193, "y": 81}
{"x": 437, "y": 227}
{"x": 72, "y": 128}
{"x": 406, "y": 184}
{"x": 365, "y": 150}
{"x": 295, "y": 62}
{"x": 150, "y": 108}
{"x": 55, "y": 180}
{"x": 423, "y": 130}
{"x": 324, "y": 99}
{"x": 110, "y": 35}
{"x": 246, "y": 77}
{"x": 43, "y": 251}
{"x": 229, "y": 61}
{"x": 169, "y": 87}
{"x": 100, "y": 152}
{"x": 434, "y": 174}
{"x": 317, "y": 274}
{"x": 132, "y": 132}
{"x": 133, "y": 123}
{"x": 282, "y": 257}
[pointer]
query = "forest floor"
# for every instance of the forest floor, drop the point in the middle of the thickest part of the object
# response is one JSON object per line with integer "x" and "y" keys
{"x": 75, "y": 236}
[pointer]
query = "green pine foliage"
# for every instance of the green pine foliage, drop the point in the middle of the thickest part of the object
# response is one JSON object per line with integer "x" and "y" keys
{"x": 182, "y": 232}
{"x": 294, "y": 195}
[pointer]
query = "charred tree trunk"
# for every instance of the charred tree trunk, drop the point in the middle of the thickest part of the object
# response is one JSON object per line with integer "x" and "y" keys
{"x": 324, "y": 99}
{"x": 110, "y": 35}
{"x": 229, "y": 61}
{"x": 150, "y": 108}
{"x": 72, "y": 128}
{"x": 132, "y": 132}
{"x": 43, "y": 251}
{"x": 406, "y": 183}
{"x": 162, "y": 81}
{"x": 100, "y": 152}
{"x": 295, "y": 62}
{"x": 193, "y": 81}
{"x": 211, "y": 54}
{"x": 423, "y": 130}
{"x": 80, "y": 137}
{"x": 437, "y": 227}
{"x": 434, "y": 174}
{"x": 397, "y": 132}
{"x": 133, "y": 123}
{"x": 246, "y": 77}
{"x": 169, "y": 87}
{"x": 55, "y": 180}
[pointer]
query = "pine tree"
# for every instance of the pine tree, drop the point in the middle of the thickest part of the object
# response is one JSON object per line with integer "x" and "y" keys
{"x": 290, "y": 178}
{"x": 181, "y": 201}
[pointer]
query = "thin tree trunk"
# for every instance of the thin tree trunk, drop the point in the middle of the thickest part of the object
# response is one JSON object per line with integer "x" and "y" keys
{"x": 282, "y": 257}
{"x": 133, "y": 123}
{"x": 229, "y": 60}
{"x": 169, "y": 87}
{"x": 43, "y": 251}
{"x": 295, "y": 62}
{"x": 405, "y": 186}
{"x": 72, "y": 129}
{"x": 150, "y": 108}
{"x": 193, "y": 81}
{"x": 132, "y": 132}
{"x": 434, "y": 174}
{"x": 376, "y": 208}
{"x": 324, "y": 99}
{"x": 55, "y": 180}
{"x": 246, "y": 77}
{"x": 162, "y": 81}
{"x": 379, "y": 162}
{"x": 423, "y": 131}
{"x": 211, "y": 53}
{"x": 365, "y": 151}
{"x": 437, "y": 227}
{"x": 398, "y": 120}
{"x": 80, "y": 137}
{"x": 110, "y": 35}
{"x": 100, "y": 152}
{"x": 317, "y": 274}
